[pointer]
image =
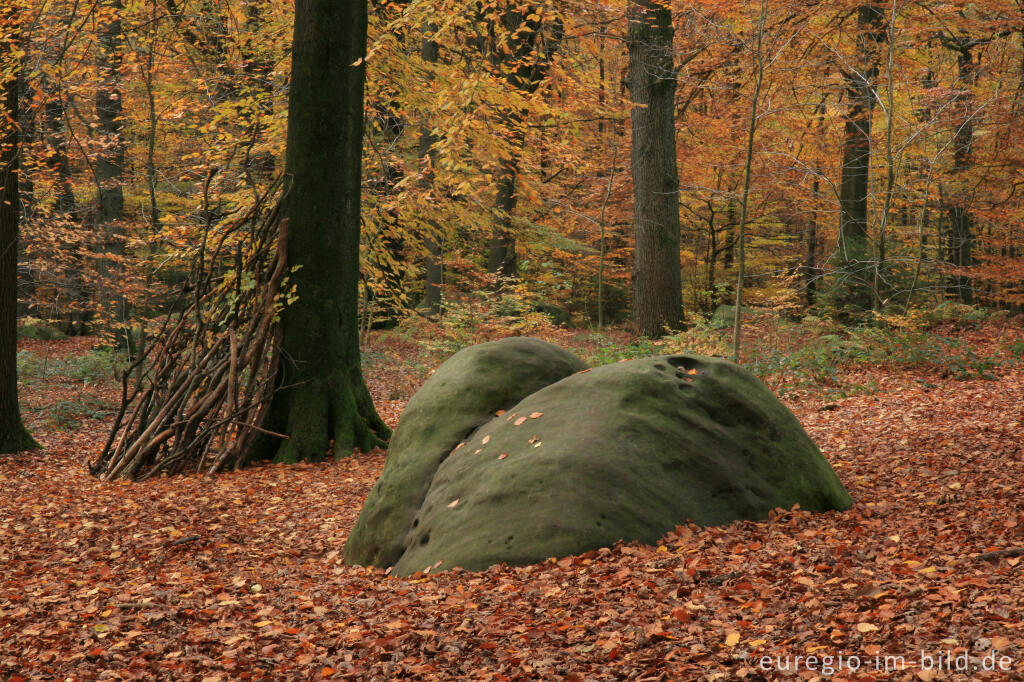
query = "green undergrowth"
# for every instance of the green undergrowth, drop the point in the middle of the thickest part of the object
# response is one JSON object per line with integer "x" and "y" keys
{"x": 65, "y": 414}
{"x": 83, "y": 371}
{"x": 812, "y": 353}
{"x": 820, "y": 353}
{"x": 92, "y": 367}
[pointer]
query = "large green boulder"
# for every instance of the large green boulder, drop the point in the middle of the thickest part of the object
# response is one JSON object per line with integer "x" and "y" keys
{"x": 464, "y": 393}
{"x": 625, "y": 451}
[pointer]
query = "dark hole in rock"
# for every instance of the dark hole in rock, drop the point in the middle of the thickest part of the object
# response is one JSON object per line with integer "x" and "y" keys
{"x": 684, "y": 361}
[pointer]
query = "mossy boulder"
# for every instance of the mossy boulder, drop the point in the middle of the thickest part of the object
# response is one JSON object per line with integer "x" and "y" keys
{"x": 625, "y": 451}
{"x": 622, "y": 452}
{"x": 461, "y": 395}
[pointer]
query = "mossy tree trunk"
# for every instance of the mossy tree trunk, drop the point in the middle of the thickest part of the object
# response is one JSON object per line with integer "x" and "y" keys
{"x": 13, "y": 435}
{"x": 657, "y": 281}
{"x": 322, "y": 404}
{"x": 854, "y": 293}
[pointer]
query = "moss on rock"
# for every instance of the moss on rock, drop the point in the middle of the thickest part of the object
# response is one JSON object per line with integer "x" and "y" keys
{"x": 623, "y": 452}
{"x": 626, "y": 451}
{"x": 462, "y": 394}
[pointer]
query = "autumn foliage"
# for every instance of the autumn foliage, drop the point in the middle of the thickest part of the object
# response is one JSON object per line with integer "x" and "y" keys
{"x": 150, "y": 129}
{"x": 202, "y": 87}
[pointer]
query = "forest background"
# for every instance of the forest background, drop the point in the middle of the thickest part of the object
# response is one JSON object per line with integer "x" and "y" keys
{"x": 884, "y": 174}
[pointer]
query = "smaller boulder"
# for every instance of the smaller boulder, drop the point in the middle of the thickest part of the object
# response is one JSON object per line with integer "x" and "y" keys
{"x": 462, "y": 394}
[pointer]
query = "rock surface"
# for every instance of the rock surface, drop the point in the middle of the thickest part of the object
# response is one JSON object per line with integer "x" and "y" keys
{"x": 462, "y": 394}
{"x": 626, "y": 451}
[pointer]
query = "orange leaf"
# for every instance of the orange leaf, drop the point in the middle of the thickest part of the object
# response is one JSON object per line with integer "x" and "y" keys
{"x": 999, "y": 643}
{"x": 681, "y": 614}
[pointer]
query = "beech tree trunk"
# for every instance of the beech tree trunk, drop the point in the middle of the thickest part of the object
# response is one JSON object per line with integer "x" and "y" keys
{"x": 13, "y": 435}
{"x": 961, "y": 237}
{"x": 811, "y": 258}
{"x": 109, "y": 168}
{"x": 57, "y": 144}
{"x": 432, "y": 266}
{"x": 519, "y": 47}
{"x": 501, "y": 252}
{"x": 109, "y": 114}
{"x": 854, "y": 293}
{"x": 657, "y": 282}
{"x": 322, "y": 404}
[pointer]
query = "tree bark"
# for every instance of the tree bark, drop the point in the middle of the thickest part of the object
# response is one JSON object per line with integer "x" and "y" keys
{"x": 501, "y": 252}
{"x": 109, "y": 114}
{"x": 109, "y": 167}
{"x": 657, "y": 282}
{"x": 854, "y": 293}
{"x": 811, "y": 260}
{"x": 56, "y": 141}
{"x": 961, "y": 238}
{"x": 519, "y": 47}
{"x": 432, "y": 265}
{"x": 322, "y": 403}
{"x": 13, "y": 435}
{"x": 259, "y": 76}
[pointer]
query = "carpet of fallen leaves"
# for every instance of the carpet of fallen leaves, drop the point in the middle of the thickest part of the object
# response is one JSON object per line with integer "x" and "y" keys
{"x": 241, "y": 576}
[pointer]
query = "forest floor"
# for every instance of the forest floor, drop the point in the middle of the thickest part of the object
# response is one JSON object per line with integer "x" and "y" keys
{"x": 241, "y": 576}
